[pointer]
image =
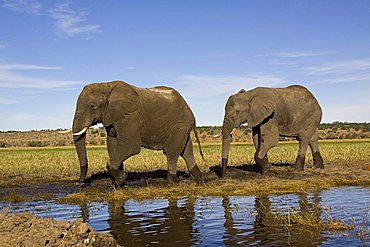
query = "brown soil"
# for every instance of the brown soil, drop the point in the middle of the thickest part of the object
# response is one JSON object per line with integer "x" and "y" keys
{"x": 366, "y": 167}
{"x": 25, "y": 229}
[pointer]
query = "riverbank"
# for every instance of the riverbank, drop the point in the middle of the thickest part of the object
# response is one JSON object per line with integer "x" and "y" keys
{"x": 58, "y": 167}
{"x": 25, "y": 229}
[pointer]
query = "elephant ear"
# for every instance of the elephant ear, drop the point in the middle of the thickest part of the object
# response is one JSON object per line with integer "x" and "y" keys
{"x": 261, "y": 106}
{"x": 122, "y": 100}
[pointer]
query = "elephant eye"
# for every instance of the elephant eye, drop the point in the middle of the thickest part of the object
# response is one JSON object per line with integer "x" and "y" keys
{"x": 93, "y": 107}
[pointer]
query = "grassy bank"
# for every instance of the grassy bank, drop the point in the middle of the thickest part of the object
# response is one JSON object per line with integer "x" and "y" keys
{"x": 343, "y": 160}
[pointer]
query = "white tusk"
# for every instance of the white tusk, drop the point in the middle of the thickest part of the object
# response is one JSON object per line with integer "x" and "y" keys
{"x": 81, "y": 132}
{"x": 218, "y": 135}
{"x": 65, "y": 131}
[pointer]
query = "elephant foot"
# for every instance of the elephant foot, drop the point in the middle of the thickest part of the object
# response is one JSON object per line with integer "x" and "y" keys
{"x": 263, "y": 166}
{"x": 317, "y": 160}
{"x": 266, "y": 159}
{"x": 196, "y": 174}
{"x": 223, "y": 168}
{"x": 299, "y": 163}
{"x": 119, "y": 177}
{"x": 171, "y": 178}
{"x": 83, "y": 172}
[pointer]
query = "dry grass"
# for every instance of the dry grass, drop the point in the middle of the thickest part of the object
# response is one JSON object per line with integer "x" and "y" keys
{"x": 343, "y": 162}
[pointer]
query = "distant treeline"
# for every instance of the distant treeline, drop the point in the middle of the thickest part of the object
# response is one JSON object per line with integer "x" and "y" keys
{"x": 97, "y": 136}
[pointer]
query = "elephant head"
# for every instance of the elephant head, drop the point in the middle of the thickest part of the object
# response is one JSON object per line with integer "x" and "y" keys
{"x": 251, "y": 107}
{"x": 104, "y": 103}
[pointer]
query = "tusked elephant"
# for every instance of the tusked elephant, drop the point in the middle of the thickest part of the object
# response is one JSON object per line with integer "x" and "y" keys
{"x": 272, "y": 112}
{"x": 156, "y": 118}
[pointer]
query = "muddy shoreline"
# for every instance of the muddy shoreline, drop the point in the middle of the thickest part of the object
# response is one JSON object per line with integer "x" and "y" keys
{"x": 240, "y": 180}
{"x": 25, "y": 229}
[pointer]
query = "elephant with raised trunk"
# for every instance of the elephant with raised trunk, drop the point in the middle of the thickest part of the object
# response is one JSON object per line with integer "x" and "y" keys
{"x": 156, "y": 118}
{"x": 272, "y": 112}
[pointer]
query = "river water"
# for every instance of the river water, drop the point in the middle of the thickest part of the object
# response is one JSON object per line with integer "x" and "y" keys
{"x": 221, "y": 221}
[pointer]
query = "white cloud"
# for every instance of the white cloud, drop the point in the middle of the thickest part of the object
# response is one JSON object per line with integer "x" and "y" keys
{"x": 129, "y": 67}
{"x": 27, "y": 6}
{"x": 353, "y": 113}
{"x": 343, "y": 79}
{"x": 296, "y": 54}
{"x": 33, "y": 121}
{"x": 16, "y": 66}
{"x": 71, "y": 22}
{"x": 67, "y": 21}
{"x": 10, "y": 79}
{"x": 339, "y": 67}
{"x": 7, "y": 101}
{"x": 194, "y": 86}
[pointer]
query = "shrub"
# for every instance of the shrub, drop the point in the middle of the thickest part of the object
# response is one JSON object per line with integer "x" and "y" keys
{"x": 37, "y": 144}
{"x": 93, "y": 142}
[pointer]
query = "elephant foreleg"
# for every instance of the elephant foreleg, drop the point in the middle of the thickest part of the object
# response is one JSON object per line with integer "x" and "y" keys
{"x": 256, "y": 134}
{"x": 127, "y": 144}
{"x": 268, "y": 138}
{"x": 188, "y": 156}
{"x": 111, "y": 146}
{"x": 317, "y": 159}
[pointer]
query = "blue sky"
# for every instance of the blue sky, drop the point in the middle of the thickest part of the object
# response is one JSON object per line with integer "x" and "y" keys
{"x": 207, "y": 50}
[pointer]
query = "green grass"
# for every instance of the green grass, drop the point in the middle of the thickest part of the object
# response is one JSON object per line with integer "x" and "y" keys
{"x": 62, "y": 163}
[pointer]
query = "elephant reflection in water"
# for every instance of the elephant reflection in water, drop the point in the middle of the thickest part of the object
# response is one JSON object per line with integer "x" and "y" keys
{"x": 267, "y": 229}
{"x": 170, "y": 226}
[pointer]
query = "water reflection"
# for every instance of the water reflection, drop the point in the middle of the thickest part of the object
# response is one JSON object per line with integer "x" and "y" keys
{"x": 210, "y": 221}
{"x": 162, "y": 222}
{"x": 218, "y": 221}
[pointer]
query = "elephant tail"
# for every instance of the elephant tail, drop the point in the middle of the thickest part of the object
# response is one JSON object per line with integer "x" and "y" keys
{"x": 197, "y": 137}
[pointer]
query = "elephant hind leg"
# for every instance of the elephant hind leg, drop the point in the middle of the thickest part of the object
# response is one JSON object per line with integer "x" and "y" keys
{"x": 172, "y": 165}
{"x": 172, "y": 148}
{"x": 304, "y": 140}
{"x": 317, "y": 159}
{"x": 188, "y": 156}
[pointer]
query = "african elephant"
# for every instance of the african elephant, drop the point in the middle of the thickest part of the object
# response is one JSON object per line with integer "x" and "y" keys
{"x": 156, "y": 118}
{"x": 272, "y": 112}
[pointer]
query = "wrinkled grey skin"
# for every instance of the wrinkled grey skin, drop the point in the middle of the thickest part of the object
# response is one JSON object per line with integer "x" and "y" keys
{"x": 156, "y": 118}
{"x": 274, "y": 112}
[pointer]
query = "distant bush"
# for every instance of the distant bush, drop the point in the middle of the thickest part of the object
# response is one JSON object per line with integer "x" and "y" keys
{"x": 61, "y": 143}
{"x": 3, "y": 144}
{"x": 37, "y": 144}
{"x": 102, "y": 134}
{"x": 93, "y": 142}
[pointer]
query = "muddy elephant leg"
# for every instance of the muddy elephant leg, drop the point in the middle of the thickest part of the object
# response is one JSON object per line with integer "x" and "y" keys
{"x": 317, "y": 159}
{"x": 299, "y": 163}
{"x": 172, "y": 148}
{"x": 188, "y": 156}
{"x": 268, "y": 138}
{"x": 127, "y": 144}
{"x": 111, "y": 146}
{"x": 256, "y": 142}
{"x": 171, "y": 170}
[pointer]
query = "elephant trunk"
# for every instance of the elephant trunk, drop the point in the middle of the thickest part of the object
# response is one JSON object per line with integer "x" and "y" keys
{"x": 226, "y": 141}
{"x": 80, "y": 144}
